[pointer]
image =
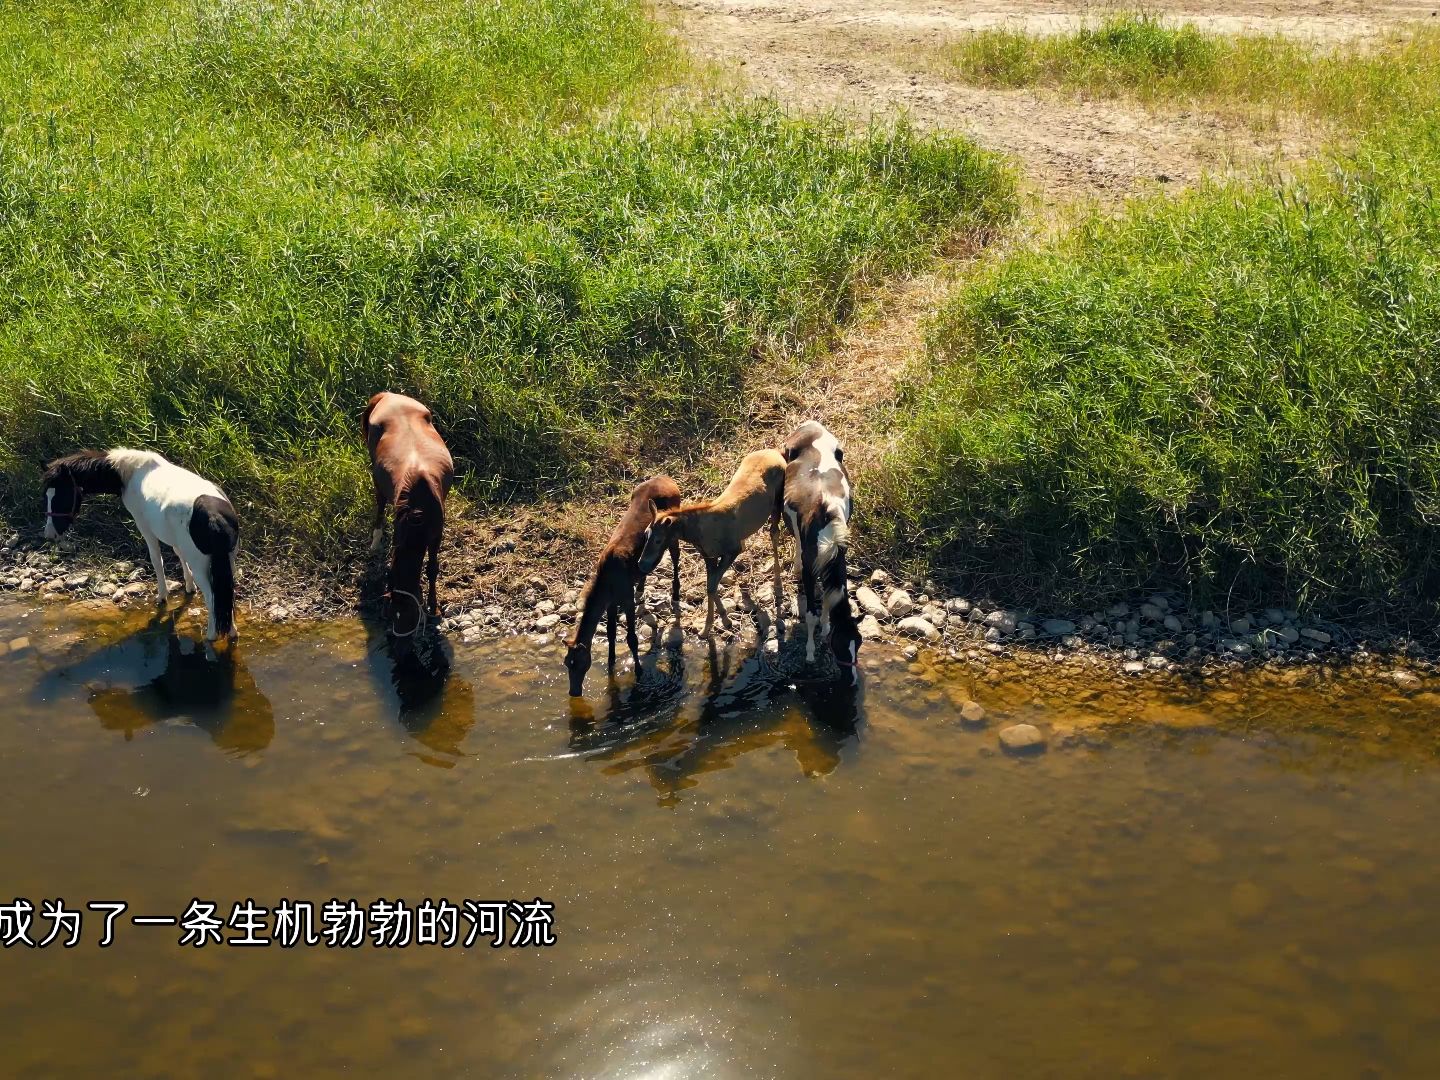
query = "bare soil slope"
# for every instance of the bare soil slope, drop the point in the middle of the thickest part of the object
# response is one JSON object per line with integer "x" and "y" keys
{"x": 867, "y": 57}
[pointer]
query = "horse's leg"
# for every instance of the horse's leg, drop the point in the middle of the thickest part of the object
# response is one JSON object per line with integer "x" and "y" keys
{"x": 610, "y": 621}
{"x": 712, "y": 580}
{"x": 377, "y": 527}
{"x": 432, "y": 570}
{"x": 721, "y": 565}
{"x": 192, "y": 556}
{"x": 162, "y": 592}
{"x": 631, "y": 638}
{"x": 186, "y": 573}
{"x": 808, "y": 602}
{"x": 675, "y": 578}
{"x": 775, "y": 562}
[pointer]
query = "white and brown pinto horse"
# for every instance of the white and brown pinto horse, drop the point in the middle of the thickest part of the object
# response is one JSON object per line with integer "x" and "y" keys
{"x": 618, "y": 585}
{"x": 719, "y": 529}
{"x": 413, "y": 471}
{"x": 169, "y": 504}
{"x": 818, "y": 505}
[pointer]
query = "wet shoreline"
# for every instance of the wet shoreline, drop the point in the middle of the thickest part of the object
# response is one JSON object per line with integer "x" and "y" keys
{"x": 1141, "y": 637}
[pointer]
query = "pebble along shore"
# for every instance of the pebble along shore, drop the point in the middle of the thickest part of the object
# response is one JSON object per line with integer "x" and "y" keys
{"x": 1153, "y": 634}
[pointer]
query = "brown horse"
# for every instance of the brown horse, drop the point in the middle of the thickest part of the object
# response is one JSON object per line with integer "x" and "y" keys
{"x": 412, "y": 470}
{"x": 719, "y": 529}
{"x": 618, "y": 584}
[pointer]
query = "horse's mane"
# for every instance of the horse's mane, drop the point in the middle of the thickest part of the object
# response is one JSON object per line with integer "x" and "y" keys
{"x": 93, "y": 470}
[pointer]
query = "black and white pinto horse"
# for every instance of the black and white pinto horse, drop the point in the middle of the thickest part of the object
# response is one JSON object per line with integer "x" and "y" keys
{"x": 817, "y": 505}
{"x": 168, "y": 504}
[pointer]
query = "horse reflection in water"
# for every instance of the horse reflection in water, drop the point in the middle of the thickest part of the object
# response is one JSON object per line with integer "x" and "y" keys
{"x": 435, "y": 707}
{"x": 180, "y": 681}
{"x": 750, "y": 703}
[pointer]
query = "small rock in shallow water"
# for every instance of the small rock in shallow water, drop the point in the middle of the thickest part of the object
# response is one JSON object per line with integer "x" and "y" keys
{"x": 879, "y": 577}
{"x": 1133, "y": 667}
{"x": 1316, "y": 635}
{"x": 1058, "y": 627}
{"x": 958, "y": 606}
{"x": 972, "y": 714}
{"x": 546, "y": 622}
{"x": 1157, "y": 662}
{"x": 911, "y": 652}
{"x": 1172, "y": 624}
{"x": 1240, "y": 626}
{"x": 1021, "y": 739}
{"x": 1151, "y": 613}
{"x": 869, "y": 628}
{"x": 915, "y": 626}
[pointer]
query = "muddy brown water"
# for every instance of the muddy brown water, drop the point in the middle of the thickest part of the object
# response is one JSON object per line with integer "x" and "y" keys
{"x": 750, "y": 876}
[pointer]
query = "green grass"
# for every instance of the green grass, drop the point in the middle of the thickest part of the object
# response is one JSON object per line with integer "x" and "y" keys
{"x": 1237, "y": 390}
{"x": 1143, "y": 56}
{"x": 224, "y": 226}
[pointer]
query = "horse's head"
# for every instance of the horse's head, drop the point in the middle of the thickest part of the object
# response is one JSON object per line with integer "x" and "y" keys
{"x": 577, "y": 662}
{"x": 845, "y": 642}
{"x": 657, "y": 538}
{"x": 62, "y": 492}
{"x": 66, "y": 481}
{"x": 402, "y": 589}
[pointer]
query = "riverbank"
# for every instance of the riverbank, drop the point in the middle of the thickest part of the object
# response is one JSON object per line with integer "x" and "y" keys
{"x": 524, "y": 575}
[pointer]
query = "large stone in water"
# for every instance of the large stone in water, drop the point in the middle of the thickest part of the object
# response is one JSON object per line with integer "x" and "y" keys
{"x": 1022, "y": 739}
{"x": 1058, "y": 627}
{"x": 870, "y": 628}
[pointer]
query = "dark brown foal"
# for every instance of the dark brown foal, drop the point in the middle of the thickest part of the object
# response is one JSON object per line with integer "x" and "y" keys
{"x": 618, "y": 585}
{"x": 413, "y": 471}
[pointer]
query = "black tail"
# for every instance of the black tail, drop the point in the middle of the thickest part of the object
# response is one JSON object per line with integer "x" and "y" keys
{"x": 833, "y": 586}
{"x": 216, "y": 532}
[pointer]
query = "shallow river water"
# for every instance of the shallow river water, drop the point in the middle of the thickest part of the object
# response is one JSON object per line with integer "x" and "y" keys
{"x": 749, "y": 876}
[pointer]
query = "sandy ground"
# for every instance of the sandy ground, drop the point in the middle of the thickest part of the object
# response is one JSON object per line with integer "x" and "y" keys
{"x": 869, "y": 58}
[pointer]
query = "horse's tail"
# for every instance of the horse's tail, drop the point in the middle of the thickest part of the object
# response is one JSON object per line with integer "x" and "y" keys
{"x": 830, "y": 546}
{"x": 216, "y": 532}
{"x": 420, "y": 508}
{"x": 833, "y": 537}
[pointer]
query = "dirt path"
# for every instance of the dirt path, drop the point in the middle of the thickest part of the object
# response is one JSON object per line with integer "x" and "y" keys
{"x": 865, "y": 57}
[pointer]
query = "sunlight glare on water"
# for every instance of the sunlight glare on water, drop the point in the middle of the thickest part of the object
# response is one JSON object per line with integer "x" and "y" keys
{"x": 751, "y": 873}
